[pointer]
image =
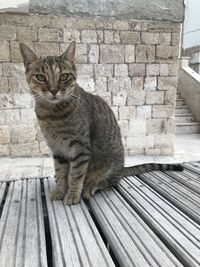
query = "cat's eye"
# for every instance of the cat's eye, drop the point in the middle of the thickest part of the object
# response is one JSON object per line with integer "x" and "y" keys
{"x": 41, "y": 77}
{"x": 63, "y": 77}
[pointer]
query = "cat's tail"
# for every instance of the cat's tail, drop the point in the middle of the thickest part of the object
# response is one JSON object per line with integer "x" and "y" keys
{"x": 139, "y": 169}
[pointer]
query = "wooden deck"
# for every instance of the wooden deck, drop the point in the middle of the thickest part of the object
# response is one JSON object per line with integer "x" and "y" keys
{"x": 150, "y": 220}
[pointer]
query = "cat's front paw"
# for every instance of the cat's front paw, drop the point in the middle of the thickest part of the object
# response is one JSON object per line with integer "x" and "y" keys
{"x": 71, "y": 199}
{"x": 56, "y": 195}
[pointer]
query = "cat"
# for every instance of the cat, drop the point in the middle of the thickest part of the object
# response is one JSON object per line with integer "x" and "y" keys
{"x": 79, "y": 128}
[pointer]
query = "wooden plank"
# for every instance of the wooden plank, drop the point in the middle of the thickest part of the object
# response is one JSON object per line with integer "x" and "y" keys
{"x": 178, "y": 231}
{"x": 192, "y": 168}
{"x": 187, "y": 178}
{"x": 131, "y": 240}
{"x": 22, "y": 239}
{"x": 181, "y": 196}
{"x": 2, "y": 191}
{"x": 75, "y": 238}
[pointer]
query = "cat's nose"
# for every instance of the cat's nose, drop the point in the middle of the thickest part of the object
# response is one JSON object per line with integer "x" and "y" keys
{"x": 53, "y": 91}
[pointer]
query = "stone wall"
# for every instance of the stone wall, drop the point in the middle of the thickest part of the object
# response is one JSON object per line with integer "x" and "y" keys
{"x": 132, "y": 64}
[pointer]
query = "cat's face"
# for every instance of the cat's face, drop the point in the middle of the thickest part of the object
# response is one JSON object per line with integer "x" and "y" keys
{"x": 50, "y": 78}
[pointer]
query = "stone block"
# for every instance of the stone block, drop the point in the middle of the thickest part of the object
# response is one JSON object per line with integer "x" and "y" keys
{"x": 130, "y": 53}
{"x": 164, "y": 26}
{"x": 124, "y": 127}
{"x": 89, "y": 36}
{"x": 4, "y": 85}
{"x": 8, "y": 32}
{"x": 155, "y": 126}
{"x": 112, "y": 53}
{"x": 176, "y": 38}
{"x": 164, "y": 69}
{"x": 84, "y": 70}
{"x": 136, "y": 98}
{"x": 25, "y": 149}
{"x": 150, "y": 38}
{"x": 167, "y": 83}
{"x": 71, "y": 35}
{"x": 101, "y": 85}
{"x": 127, "y": 112}
{"x": 137, "y": 128}
{"x": 164, "y": 141}
{"x": 166, "y": 53}
{"x": 10, "y": 116}
{"x": 80, "y": 22}
{"x": 23, "y": 133}
{"x": 93, "y": 55}
{"x": 119, "y": 99}
{"x": 4, "y": 150}
{"x": 136, "y": 69}
{"x": 44, "y": 149}
{"x": 163, "y": 111}
{"x": 130, "y": 37}
{"x": 4, "y": 134}
{"x": 120, "y": 24}
{"x": 170, "y": 97}
{"x": 47, "y": 49}
{"x": 150, "y": 83}
{"x": 104, "y": 22}
{"x": 6, "y": 101}
{"x": 137, "y": 83}
{"x": 24, "y": 100}
{"x": 26, "y": 34}
{"x": 104, "y": 69}
{"x": 143, "y": 112}
{"x": 1, "y": 69}
{"x": 145, "y": 53}
{"x": 170, "y": 126}
{"x": 173, "y": 69}
{"x": 153, "y": 69}
{"x": 4, "y": 51}
{"x": 121, "y": 70}
{"x": 13, "y": 69}
{"x": 87, "y": 84}
{"x": 18, "y": 84}
{"x": 138, "y": 25}
{"x": 155, "y": 97}
{"x": 14, "y": 19}
{"x": 28, "y": 115}
{"x": 119, "y": 84}
{"x": 111, "y": 37}
{"x": 50, "y": 35}
{"x": 46, "y": 21}
{"x": 155, "y": 38}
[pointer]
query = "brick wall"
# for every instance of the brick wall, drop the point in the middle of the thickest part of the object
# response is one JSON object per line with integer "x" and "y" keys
{"x": 132, "y": 64}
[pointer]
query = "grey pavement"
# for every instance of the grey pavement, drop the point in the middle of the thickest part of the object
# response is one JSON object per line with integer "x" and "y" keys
{"x": 186, "y": 148}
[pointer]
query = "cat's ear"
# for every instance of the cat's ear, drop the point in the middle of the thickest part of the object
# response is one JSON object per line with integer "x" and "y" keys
{"x": 27, "y": 54}
{"x": 69, "y": 54}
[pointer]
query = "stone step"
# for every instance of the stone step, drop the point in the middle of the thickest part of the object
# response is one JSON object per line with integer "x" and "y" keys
{"x": 180, "y": 102}
{"x": 184, "y": 118}
{"x": 182, "y": 110}
{"x": 188, "y": 128}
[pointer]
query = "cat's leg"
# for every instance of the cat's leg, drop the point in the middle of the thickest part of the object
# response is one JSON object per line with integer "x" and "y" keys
{"x": 78, "y": 168}
{"x": 61, "y": 166}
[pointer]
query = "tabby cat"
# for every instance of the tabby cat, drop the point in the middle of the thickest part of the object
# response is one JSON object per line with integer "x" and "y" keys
{"x": 80, "y": 129}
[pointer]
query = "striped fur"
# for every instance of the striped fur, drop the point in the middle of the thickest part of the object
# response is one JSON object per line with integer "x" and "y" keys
{"x": 80, "y": 129}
